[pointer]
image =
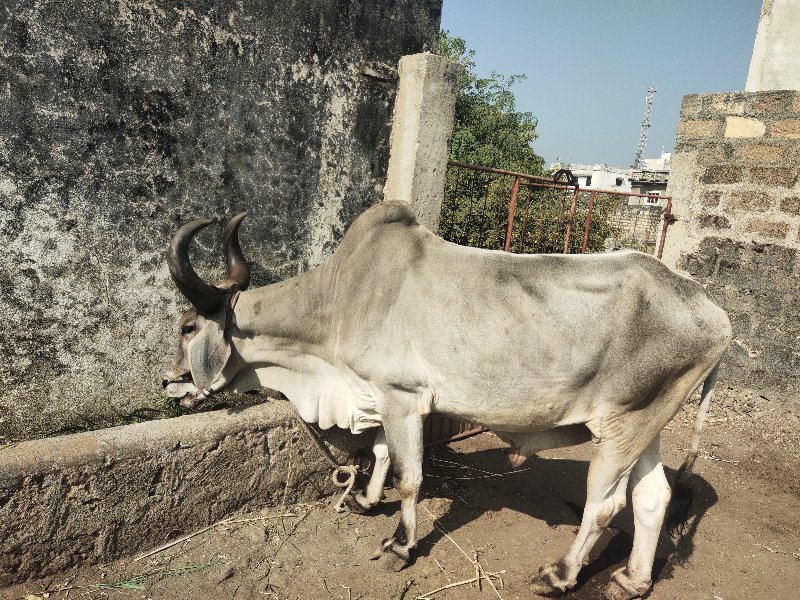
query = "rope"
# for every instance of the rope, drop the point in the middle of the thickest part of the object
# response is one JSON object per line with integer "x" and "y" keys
{"x": 350, "y": 470}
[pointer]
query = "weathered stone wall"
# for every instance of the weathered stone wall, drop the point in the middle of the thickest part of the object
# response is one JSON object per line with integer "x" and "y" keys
{"x": 120, "y": 121}
{"x": 95, "y": 496}
{"x": 735, "y": 183}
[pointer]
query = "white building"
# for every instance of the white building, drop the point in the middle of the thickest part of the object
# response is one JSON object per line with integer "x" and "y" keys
{"x": 658, "y": 164}
{"x": 650, "y": 178}
{"x": 599, "y": 176}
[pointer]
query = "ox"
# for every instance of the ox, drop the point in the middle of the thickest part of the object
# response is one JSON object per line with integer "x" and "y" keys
{"x": 545, "y": 350}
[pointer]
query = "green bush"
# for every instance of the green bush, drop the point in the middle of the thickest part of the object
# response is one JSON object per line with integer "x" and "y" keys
{"x": 489, "y": 131}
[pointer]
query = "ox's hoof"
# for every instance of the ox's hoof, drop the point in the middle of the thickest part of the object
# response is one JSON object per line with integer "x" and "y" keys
{"x": 622, "y": 587}
{"x": 392, "y": 562}
{"x": 551, "y": 582}
{"x": 391, "y": 557}
{"x": 354, "y": 504}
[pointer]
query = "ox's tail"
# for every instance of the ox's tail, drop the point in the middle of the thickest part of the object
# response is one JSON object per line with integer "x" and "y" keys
{"x": 680, "y": 505}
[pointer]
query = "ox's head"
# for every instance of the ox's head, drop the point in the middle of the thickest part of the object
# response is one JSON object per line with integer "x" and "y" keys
{"x": 199, "y": 367}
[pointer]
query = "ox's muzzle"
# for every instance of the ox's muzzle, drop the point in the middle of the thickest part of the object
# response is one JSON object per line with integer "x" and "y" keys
{"x": 182, "y": 388}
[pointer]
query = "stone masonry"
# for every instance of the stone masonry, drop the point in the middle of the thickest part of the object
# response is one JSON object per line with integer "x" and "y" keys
{"x": 735, "y": 183}
{"x": 639, "y": 224}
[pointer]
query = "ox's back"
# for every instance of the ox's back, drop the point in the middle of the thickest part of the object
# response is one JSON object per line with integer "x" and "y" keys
{"x": 414, "y": 310}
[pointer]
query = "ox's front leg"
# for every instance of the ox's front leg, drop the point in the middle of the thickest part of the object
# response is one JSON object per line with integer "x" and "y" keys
{"x": 404, "y": 441}
{"x": 361, "y": 502}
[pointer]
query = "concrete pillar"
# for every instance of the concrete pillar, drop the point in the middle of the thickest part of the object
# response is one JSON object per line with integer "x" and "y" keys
{"x": 422, "y": 126}
{"x": 775, "y": 64}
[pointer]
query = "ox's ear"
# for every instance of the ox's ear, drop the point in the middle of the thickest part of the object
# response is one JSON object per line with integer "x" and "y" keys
{"x": 209, "y": 351}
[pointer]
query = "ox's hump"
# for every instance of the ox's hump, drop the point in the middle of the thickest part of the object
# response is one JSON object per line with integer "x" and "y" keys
{"x": 391, "y": 211}
{"x": 386, "y": 223}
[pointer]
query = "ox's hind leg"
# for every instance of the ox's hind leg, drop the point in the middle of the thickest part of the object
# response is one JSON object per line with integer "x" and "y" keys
{"x": 363, "y": 501}
{"x": 650, "y": 494}
{"x": 404, "y": 441}
{"x": 606, "y": 487}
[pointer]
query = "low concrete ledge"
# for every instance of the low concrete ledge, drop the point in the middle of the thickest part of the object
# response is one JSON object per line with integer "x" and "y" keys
{"x": 96, "y": 496}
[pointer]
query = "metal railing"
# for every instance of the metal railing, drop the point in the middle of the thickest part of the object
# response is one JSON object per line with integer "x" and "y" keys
{"x": 517, "y": 212}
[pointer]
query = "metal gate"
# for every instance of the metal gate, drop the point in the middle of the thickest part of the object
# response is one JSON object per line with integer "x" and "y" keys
{"x": 440, "y": 429}
{"x": 504, "y": 210}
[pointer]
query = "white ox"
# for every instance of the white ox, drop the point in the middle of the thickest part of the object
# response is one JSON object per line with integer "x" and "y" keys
{"x": 545, "y": 350}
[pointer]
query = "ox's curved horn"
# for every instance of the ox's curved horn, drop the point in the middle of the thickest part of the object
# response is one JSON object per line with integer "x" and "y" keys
{"x": 238, "y": 270}
{"x": 205, "y": 298}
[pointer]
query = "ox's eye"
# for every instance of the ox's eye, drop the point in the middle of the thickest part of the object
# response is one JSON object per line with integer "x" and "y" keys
{"x": 187, "y": 329}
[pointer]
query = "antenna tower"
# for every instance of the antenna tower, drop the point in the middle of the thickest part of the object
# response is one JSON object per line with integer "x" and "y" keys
{"x": 648, "y": 108}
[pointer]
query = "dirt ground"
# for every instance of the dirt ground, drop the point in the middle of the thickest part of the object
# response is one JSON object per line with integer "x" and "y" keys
{"x": 744, "y": 542}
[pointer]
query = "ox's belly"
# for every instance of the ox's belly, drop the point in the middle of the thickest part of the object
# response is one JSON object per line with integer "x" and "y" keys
{"x": 513, "y": 411}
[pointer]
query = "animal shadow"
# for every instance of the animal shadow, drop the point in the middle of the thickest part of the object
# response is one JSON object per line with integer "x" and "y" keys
{"x": 552, "y": 491}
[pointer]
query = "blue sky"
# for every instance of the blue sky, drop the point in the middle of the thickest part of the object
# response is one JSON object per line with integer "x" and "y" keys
{"x": 589, "y": 64}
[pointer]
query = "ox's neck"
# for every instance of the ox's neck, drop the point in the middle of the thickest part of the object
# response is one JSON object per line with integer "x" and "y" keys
{"x": 284, "y": 317}
{"x": 284, "y": 335}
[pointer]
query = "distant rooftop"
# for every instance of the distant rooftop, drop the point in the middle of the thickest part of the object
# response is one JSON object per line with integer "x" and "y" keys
{"x": 657, "y": 164}
{"x": 662, "y": 163}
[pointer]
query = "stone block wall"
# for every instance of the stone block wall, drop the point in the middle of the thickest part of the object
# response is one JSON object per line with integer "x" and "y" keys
{"x": 743, "y": 150}
{"x": 641, "y": 223}
{"x": 120, "y": 121}
{"x": 735, "y": 183}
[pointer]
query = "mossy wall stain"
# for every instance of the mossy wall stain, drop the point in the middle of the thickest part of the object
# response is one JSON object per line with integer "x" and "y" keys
{"x": 758, "y": 285}
{"x": 121, "y": 120}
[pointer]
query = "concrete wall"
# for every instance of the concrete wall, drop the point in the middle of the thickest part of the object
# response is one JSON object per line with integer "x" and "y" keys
{"x": 735, "y": 183}
{"x": 120, "y": 121}
{"x": 775, "y": 64}
{"x": 95, "y": 496}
